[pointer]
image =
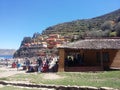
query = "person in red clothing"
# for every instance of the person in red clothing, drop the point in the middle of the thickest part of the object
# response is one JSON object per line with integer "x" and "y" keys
{"x": 45, "y": 66}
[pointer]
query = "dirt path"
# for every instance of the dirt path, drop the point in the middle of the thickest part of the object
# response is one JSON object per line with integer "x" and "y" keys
{"x": 52, "y": 76}
{"x": 7, "y": 71}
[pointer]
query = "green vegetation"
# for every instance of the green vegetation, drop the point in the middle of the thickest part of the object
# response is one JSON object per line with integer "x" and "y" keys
{"x": 15, "y": 88}
{"x": 113, "y": 34}
{"x": 3, "y": 78}
{"x": 97, "y": 79}
{"x": 107, "y": 22}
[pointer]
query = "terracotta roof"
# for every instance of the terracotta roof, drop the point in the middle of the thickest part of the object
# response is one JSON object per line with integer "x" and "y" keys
{"x": 94, "y": 44}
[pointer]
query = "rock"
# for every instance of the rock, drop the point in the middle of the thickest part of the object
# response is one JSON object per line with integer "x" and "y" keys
{"x": 107, "y": 88}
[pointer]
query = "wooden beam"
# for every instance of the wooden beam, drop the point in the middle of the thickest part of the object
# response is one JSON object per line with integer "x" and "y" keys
{"x": 61, "y": 60}
{"x": 101, "y": 58}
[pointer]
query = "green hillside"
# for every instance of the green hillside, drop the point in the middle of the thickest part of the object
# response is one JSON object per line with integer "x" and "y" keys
{"x": 92, "y": 27}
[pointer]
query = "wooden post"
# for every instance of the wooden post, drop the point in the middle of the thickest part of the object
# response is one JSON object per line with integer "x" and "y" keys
{"x": 101, "y": 57}
{"x": 61, "y": 60}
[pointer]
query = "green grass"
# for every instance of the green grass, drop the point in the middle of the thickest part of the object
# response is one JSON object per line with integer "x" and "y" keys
{"x": 16, "y": 88}
{"x": 3, "y": 79}
{"x": 99, "y": 79}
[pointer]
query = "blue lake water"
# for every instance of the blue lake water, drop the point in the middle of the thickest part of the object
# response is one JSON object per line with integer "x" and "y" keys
{"x": 6, "y": 56}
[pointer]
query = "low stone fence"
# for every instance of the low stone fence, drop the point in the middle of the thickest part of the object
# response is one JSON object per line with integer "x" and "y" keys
{"x": 55, "y": 87}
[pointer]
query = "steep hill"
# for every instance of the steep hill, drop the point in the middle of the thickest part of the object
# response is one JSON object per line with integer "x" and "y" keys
{"x": 79, "y": 26}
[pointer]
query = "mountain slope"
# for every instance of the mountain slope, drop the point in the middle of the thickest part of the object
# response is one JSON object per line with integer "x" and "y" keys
{"x": 79, "y": 26}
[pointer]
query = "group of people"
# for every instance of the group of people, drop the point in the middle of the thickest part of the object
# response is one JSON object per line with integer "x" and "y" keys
{"x": 74, "y": 60}
{"x": 42, "y": 64}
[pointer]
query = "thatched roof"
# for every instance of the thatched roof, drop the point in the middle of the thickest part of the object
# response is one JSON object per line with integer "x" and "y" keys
{"x": 94, "y": 44}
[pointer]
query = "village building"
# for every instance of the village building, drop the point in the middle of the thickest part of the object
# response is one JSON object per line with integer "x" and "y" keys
{"x": 54, "y": 36}
{"x": 41, "y": 45}
{"x": 90, "y": 55}
{"x": 54, "y": 40}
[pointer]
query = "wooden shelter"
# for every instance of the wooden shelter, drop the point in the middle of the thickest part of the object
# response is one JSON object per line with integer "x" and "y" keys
{"x": 90, "y": 55}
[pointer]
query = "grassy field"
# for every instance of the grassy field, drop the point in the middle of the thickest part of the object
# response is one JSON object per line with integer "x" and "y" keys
{"x": 99, "y": 79}
{"x": 16, "y": 88}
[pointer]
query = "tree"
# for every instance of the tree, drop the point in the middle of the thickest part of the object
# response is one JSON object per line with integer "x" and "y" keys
{"x": 107, "y": 25}
{"x": 113, "y": 34}
{"x": 117, "y": 28}
{"x": 118, "y": 20}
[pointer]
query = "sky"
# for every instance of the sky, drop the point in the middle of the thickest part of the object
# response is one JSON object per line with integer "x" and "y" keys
{"x": 22, "y": 18}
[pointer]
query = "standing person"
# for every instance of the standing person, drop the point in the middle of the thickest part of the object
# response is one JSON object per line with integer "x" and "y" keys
{"x": 27, "y": 64}
{"x": 6, "y": 62}
{"x": 39, "y": 62}
{"x": 17, "y": 64}
{"x": 45, "y": 65}
{"x": 52, "y": 64}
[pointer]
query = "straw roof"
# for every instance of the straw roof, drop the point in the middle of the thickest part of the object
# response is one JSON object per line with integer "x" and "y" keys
{"x": 94, "y": 44}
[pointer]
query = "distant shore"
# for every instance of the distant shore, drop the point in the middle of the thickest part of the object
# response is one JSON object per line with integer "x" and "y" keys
{"x": 6, "y": 56}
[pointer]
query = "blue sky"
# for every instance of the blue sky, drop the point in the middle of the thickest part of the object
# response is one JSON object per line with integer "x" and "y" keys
{"x": 20, "y": 18}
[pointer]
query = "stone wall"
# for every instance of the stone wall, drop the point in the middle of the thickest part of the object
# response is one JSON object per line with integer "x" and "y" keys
{"x": 55, "y": 87}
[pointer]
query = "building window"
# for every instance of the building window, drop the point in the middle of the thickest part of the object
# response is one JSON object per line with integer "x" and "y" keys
{"x": 106, "y": 57}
